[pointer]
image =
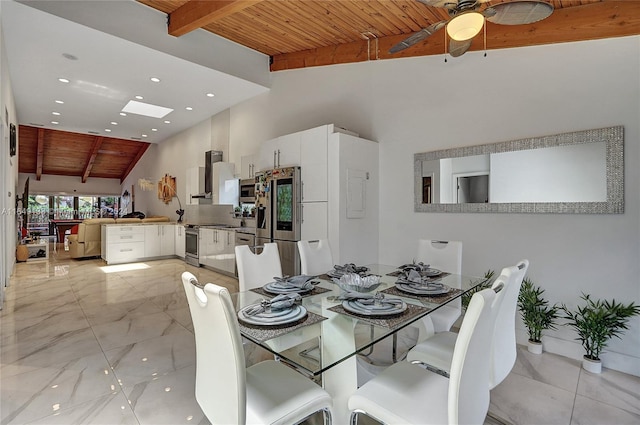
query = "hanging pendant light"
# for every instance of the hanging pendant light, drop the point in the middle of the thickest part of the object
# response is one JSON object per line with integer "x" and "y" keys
{"x": 465, "y": 26}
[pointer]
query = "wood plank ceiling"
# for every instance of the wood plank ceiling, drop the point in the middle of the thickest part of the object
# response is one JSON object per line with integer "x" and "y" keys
{"x": 62, "y": 153}
{"x": 303, "y": 33}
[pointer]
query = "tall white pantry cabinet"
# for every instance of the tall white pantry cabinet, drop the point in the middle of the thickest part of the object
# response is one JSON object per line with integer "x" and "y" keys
{"x": 340, "y": 183}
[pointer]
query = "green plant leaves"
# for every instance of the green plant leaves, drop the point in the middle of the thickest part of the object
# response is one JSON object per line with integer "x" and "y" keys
{"x": 536, "y": 313}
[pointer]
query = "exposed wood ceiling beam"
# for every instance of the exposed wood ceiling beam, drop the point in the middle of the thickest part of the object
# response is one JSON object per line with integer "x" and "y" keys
{"x": 134, "y": 161}
{"x": 40, "y": 154}
{"x": 196, "y": 14}
{"x": 92, "y": 158}
{"x": 587, "y": 22}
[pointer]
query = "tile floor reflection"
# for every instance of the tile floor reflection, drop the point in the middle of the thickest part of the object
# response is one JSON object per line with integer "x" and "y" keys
{"x": 87, "y": 344}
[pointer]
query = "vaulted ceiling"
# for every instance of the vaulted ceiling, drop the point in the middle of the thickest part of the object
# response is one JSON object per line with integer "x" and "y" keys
{"x": 303, "y": 33}
{"x": 62, "y": 153}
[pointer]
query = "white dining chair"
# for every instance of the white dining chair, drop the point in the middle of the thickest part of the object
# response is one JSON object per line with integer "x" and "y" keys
{"x": 256, "y": 270}
{"x": 315, "y": 257}
{"x": 445, "y": 256}
{"x": 437, "y": 351}
{"x": 228, "y": 393}
{"x": 408, "y": 394}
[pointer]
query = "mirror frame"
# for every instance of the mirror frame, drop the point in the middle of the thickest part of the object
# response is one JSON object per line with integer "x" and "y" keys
{"x": 613, "y": 136}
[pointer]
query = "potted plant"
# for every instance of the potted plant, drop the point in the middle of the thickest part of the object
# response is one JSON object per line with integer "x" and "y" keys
{"x": 536, "y": 314}
{"x": 596, "y": 322}
{"x": 237, "y": 212}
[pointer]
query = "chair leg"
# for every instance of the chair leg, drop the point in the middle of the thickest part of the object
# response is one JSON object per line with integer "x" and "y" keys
{"x": 326, "y": 414}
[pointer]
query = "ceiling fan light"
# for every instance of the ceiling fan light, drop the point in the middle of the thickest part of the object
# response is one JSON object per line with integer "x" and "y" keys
{"x": 465, "y": 26}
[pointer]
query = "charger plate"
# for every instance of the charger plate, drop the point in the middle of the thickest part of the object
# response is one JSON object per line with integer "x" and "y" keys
{"x": 272, "y": 317}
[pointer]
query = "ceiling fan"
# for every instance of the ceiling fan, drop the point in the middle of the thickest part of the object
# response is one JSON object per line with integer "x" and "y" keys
{"x": 467, "y": 19}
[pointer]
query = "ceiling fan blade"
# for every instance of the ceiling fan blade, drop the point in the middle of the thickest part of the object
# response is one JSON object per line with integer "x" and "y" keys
{"x": 417, "y": 37}
{"x": 459, "y": 48}
{"x": 520, "y": 12}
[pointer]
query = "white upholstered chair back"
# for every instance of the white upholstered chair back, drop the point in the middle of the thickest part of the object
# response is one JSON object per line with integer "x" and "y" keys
{"x": 315, "y": 257}
{"x": 504, "y": 338}
{"x": 468, "y": 399}
{"x": 220, "y": 366}
{"x": 256, "y": 270}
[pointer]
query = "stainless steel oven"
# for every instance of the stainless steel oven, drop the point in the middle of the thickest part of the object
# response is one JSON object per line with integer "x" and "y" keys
{"x": 191, "y": 233}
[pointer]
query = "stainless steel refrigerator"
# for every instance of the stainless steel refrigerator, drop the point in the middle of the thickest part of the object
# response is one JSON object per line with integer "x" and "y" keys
{"x": 279, "y": 214}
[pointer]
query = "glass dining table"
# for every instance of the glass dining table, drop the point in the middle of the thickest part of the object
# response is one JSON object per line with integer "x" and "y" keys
{"x": 325, "y": 343}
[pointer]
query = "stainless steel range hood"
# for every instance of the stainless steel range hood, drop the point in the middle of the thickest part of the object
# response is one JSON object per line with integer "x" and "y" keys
{"x": 219, "y": 185}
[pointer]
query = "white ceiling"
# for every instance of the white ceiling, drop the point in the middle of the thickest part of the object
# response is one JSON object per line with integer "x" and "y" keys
{"x": 109, "y": 72}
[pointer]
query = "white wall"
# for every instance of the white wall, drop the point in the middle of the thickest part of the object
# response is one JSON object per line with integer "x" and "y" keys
{"x": 422, "y": 104}
{"x": 8, "y": 171}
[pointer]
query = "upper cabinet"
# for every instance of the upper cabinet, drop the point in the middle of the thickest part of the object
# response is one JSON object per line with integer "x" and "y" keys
{"x": 248, "y": 166}
{"x": 283, "y": 151}
{"x": 313, "y": 163}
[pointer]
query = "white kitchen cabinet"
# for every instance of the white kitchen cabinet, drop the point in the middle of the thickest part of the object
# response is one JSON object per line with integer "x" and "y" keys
{"x": 159, "y": 240}
{"x": 122, "y": 244}
{"x": 180, "y": 240}
{"x": 248, "y": 166}
{"x": 225, "y": 187}
{"x": 314, "y": 224}
{"x": 313, "y": 164}
{"x": 283, "y": 151}
{"x": 216, "y": 249}
{"x": 194, "y": 182}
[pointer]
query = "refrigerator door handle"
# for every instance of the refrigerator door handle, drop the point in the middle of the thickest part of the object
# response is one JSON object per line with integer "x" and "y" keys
{"x": 301, "y": 213}
{"x": 274, "y": 159}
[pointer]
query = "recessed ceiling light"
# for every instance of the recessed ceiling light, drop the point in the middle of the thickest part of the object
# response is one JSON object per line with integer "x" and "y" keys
{"x": 139, "y": 97}
{"x": 60, "y": 102}
{"x": 108, "y": 130}
{"x": 144, "y": 135}
{"x": 146, "y": 109}
{"x": 167, "y": 122}
{"x": 70, "y": 56}
{"x": 154, "y": 129}
{"x": 55, "y": 122}
{"x": 189, "y": 108}
{"x": 155, "y": 79}
{"x": 114, "y": 123}
{"x": 63, "y": 80}
{"x": 123, "y": 114}
{"x": 55, "y": 113}
{"x": 210, "y": 94}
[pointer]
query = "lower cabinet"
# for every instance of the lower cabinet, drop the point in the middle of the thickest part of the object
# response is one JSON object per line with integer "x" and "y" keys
{"x": 180, "y": 241}
{"x": 159, "y": 240}
{"x": 129, "y": 243}
{"x": 216, "y": 249}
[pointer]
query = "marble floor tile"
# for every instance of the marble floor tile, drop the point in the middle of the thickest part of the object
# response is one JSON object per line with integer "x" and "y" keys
{"x": 44, "y": 391}
{"x": 591, "y": 412}
{"x": 131, "y": 329}
{"x": 613, "y": 388}
{"x": 110, "y": 409}
{"x": 522, "y": 400}
{"x": 117, "y": 344}
{"x": 152, "y": 358}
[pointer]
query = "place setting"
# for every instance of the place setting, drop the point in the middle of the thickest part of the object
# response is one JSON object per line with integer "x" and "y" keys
{"x": 270, "y": 318}
{"x": 303, "y": 285}
{"x": 339, "y": 270}
{"x": 425, "y": 270}
{"x": 376, "y": 308}
{"x": 413, "y": 283}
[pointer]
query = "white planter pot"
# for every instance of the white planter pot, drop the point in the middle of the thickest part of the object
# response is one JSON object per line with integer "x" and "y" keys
{"x": 593, "y": 366}
{"x": 534, "y": 347}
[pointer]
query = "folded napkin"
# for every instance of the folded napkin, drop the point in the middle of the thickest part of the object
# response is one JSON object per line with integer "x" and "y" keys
{"x": 368, "y": 298}
{"x": 280, "y": 302}
{"x": 300, "y": 282}
{"x": 350, "y": 268}
{"x": 415, "y": 278}
{"x": 415, "y": 266}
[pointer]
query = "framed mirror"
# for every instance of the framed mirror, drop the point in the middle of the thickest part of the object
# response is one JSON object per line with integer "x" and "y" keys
{"x": 577, "y": 173}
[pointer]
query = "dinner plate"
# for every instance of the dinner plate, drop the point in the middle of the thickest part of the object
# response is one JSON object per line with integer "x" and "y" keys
{"x": 417, "y": 290}
{"x": 372, "y": 310}
{"x": 273, "y": 317}
{"x": 283, "y": 288}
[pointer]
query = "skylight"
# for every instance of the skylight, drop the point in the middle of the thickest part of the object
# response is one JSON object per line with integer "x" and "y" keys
{"x": 146, "y": 109}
